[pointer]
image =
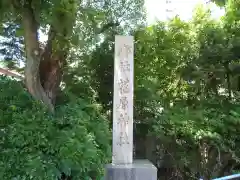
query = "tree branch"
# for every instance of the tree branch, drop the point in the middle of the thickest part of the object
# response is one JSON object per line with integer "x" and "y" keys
{"x": 10, "y": 73}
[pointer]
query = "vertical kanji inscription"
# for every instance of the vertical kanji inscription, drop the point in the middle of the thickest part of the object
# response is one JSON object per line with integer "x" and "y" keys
{"x": 124, "y": 51}
{"x": 124, "y": 87}
{"x": 123, "y": 101}
{"x": 124, "y": 66}
{"x": 123, "y": 121}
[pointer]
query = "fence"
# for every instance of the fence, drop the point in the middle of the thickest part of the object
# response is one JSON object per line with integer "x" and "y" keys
{"x": 234, "y": 176}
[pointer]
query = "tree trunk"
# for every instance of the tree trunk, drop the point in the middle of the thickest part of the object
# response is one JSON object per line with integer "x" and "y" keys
{"x": 51, "y": 64}
{"x": 50, "y": 76}
{"x": 32, "y": 78}
{"x": 226, "y": 65}
{"x": 43, "y": 71}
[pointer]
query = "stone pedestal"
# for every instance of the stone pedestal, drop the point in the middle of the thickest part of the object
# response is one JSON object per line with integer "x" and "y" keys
{"x": 138, "y": 170}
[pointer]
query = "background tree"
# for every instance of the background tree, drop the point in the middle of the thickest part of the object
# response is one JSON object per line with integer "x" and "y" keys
{"x": 186, "y": 110}
{"x": 74, "y": 142}
{"x": 220, "y": 2}
{"x": 60, "y": 20}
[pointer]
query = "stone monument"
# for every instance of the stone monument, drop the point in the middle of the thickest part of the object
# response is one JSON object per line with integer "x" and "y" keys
{"x": 123, "y": 167}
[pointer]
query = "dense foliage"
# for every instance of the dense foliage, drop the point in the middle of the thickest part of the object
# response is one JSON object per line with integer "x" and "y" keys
{"x": 187, "y": 92}
{"x": 75, "y": 142}
{"x": 187, "y": 83}
{"x": 194, "y": 80}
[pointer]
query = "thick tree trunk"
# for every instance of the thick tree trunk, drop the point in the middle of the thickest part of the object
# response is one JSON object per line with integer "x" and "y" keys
{"x": 50, "y": 68}
{"x": 32, "y": 78}
{"x": 50, "y": 76}
{"x": 43, "y": 71}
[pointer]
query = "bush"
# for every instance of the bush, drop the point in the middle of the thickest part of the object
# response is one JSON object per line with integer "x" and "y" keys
{"x": 75, "y": 142}
{"x": 200, "y": 140}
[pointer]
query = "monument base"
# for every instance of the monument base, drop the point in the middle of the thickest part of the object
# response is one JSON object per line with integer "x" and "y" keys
{"x": 138, "y": 170}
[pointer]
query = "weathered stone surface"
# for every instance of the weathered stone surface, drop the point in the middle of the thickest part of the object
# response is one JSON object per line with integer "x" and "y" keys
{"x": 123, "y": 167}
{"x": 122, "y": 142}
{"x": 138, "y": 170}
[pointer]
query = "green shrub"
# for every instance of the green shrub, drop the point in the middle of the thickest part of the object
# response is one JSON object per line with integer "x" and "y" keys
{"x": 203, "y": 139}
{"x": 35, "y": 145}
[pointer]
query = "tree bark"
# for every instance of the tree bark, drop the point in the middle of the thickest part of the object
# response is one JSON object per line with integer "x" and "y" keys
{"x": 44, "y": 65}
{"x": 43, "y": 71}
{"x": 32, "y": 78}
{"x": 50, "y": 68}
